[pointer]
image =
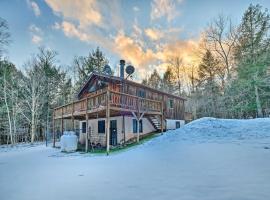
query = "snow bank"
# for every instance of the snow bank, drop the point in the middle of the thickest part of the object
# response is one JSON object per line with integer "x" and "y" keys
{"x": 209, "y": 129}
{"x": 20, "y": 147}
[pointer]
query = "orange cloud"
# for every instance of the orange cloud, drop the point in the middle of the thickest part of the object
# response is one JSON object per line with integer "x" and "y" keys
{"x": 132, "y": 51}
{"x": 84, "y": 11}
{"x": 70, "y": 30}
{"x": 153, "y": 34}
{"x": 184, "y": 49}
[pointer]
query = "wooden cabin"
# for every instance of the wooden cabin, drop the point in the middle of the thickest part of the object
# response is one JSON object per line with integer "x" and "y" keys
{"x": 112, "y": 110}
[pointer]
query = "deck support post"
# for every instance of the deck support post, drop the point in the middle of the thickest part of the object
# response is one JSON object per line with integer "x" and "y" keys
{"x": 62, "y": 123}
{"x": 124, "y": 128}
{"x": 86, "y": 122}
{"x": 162, "y": 118}
{"x": 108, "y": 122}
{"x": 138, "y": 126}
{"x": 72, "y": 117}
{"x": 138, "y": 118}
{"x": 53, "y": 128}
{"x": 86, "y": 134}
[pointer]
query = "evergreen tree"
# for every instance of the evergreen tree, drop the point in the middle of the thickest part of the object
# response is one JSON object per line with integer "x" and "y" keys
{"x": 168, "y": 81}
{"x": 84, "y": 66}
{"x": 253, "y": 54}
{"x": 145, "y": 81}
{"x": 155, "y": 81}
{"x": 207, "y": 82}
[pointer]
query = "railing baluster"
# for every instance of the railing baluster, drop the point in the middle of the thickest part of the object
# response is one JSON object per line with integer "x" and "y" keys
{"x": 120, "y": 100}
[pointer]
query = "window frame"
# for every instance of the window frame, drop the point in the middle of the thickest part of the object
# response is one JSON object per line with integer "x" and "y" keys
{"x": 176, "y": 124}
{"x": 83, "y": 127}
{"x": 134, "y": 126}
{"x": 141, "y": 93}
{"x": 101, "y": 130}
{"x": 171, "y": 101}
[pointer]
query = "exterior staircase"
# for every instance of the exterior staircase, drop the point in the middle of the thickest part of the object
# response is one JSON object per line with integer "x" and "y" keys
{"x": 155, "y": 121}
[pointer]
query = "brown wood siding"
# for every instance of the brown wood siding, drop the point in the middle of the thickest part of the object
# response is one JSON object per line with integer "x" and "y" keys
{"x": 176, "y": 112}
{"x": 177, "y": 109}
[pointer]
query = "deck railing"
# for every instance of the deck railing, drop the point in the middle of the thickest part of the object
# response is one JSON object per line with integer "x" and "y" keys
{"x": 132, "y": 102}
{"x": 117, "y": 100}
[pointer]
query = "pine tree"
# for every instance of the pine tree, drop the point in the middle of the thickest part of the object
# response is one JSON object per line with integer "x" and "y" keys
{"x": 208, "y": 70}
{"x": 168, "y": 80}
{"x": 84, "y": 66}
{"x": 253, "y": 53}
{"x": 154, "y": 80}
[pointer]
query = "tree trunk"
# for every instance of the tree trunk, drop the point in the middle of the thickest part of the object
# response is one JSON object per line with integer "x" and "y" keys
{"x": 33, "y": 129}
{"x": 258, "y": 102}
{"x": 194, "y": 107}
{"x": 179, "y": 88}
{"x": 8, "y": 111}
{"x": 14, "y": 114}
{"x": 33, "y": 121}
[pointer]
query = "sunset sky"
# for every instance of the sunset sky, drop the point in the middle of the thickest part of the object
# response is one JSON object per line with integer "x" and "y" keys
{"x": 144, "y": 32}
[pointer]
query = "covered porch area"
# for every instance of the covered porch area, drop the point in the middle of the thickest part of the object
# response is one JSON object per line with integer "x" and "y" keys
{"x": 107, "y": 105}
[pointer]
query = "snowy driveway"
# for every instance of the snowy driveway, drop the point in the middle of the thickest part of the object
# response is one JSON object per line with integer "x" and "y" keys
{"x": 172, "y": 166}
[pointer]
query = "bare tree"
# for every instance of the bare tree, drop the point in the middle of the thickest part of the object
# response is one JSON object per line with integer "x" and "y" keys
{"x": 5, "y": 91}
{"x": 33, "y": 95}
{"x": 9, "y": 92}
{"x": 220, "y": 39}
{"x": 177, "y": 65}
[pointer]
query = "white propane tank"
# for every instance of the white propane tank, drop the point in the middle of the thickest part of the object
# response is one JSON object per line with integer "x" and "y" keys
{"x": 69, "y": 141}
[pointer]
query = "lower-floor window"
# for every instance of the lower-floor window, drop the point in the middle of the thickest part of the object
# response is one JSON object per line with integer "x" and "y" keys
{"x": 83, "y": 127}
{"x": 177, "y": 124}
{"x": 135, "y": 126}
{"x": 101, "y": 126}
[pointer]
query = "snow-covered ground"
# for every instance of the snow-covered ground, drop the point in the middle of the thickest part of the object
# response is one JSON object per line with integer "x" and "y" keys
{"x": 206, "y": 159}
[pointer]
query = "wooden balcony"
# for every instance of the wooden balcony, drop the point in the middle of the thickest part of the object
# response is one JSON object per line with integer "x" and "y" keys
{"x": 108, "y": 99}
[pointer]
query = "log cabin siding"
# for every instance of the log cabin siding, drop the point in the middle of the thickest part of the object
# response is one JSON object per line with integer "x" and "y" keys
{"x": 175, "y": 112}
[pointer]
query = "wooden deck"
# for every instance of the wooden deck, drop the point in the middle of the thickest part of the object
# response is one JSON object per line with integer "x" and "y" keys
{"x": 115, "y": 101}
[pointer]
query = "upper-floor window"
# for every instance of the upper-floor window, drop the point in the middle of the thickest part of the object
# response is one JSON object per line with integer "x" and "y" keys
{"x": 170, "y": 103}
{"x": 92, "y": 88}
{"x": 141, "y": 93}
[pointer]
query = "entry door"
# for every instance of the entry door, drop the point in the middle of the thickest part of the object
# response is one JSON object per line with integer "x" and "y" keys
{"x": 113, "y": 132}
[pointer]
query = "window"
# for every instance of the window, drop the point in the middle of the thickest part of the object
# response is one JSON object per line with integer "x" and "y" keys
{"x": 141, "y": 93}
{"x": 135, "y": 126}
{"x": 92, "y": 88}
{"x": 101, "y": 126}
{"x": 170, "y": 103}
{"x": 177, "y": 124}
{"x": 83, "y": 127}
{"x": 141, "y": 126}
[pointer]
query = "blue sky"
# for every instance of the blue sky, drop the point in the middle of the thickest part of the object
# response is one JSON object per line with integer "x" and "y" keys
{"x": 144, "y": 32}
